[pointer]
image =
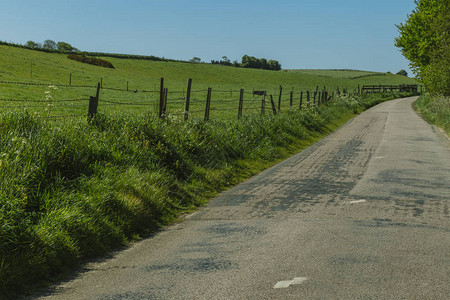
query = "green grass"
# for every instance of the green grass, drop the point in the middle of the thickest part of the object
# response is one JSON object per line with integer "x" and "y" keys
{"x": 71, "y": 190}
{"x": 15, "y": 65}
{"x": 435, "y": 109}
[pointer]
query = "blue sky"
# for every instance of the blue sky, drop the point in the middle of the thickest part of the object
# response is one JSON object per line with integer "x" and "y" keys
{"x": 315, "y": 34}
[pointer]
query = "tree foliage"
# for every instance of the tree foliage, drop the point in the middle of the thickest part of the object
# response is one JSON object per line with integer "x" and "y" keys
{"x": 32, "y": 44}
{"x": 50, "y": 45}
{"x": 66, "y": 47}
{"x": 195, "y": 60}
{"x": 402, "y": 72}
{"x": 260, "y": 63}
{"x": 425, "y": 41}
{"x": 224, "y": 61}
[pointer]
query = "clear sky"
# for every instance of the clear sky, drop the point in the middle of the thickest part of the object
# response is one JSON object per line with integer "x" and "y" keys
{"x": 300, "y": 34}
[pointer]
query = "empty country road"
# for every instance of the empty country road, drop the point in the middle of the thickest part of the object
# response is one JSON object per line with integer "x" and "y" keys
{"x": 363, "y": 214}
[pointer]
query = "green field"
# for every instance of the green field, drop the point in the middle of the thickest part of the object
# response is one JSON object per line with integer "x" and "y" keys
{"x": 22, "y": 65}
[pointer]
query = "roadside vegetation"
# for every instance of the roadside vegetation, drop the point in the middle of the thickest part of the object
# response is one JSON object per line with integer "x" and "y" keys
{"x": 435, "y": 109}
{"x": 425, "y": 42}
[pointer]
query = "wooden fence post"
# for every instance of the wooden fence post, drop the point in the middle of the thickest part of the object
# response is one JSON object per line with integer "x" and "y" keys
{"x": 127, "y": 86}
{"x": 273, "y": 106}
{"x": 166, "y": 92}
{"x": 241, "y": 103}
{"x": 263, "y": 104}
{"x": 208, "y": 105}
{"x": 188, "y": 99}
{"x": 161, "y": 98}
{"x": 279, "y": 98}
{"x": 301, "y": 99}
{"x": 308, "y": 97}
{"x": 93, "y": 104}
{"x": 97, "y": 94}
{"x": 291, "y": 99}
{"x": 92, "y": 110}
{"x": 70, "y": 79}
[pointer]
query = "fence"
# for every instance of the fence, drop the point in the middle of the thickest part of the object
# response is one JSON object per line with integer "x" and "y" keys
{"x": 183, "y": 104}
{"x": 384, "y": 88}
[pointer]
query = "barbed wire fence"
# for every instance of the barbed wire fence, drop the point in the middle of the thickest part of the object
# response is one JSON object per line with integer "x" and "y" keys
{"x": 187, "y": 103}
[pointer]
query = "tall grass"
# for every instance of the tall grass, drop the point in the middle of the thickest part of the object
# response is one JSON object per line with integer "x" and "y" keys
{"x": 74, "y": 189}
{"x": 435, "y": 109}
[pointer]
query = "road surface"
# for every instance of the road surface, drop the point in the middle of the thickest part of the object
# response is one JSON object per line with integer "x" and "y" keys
{"x": 363, "y": 214}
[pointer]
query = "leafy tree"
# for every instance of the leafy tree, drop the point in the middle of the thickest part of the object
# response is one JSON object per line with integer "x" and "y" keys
{"x": 274, "y": 65}
{"x": 195, "y": 60}
{"x": 402, "y": 72}
{"x": 225, "y": 61}
{"x": 247, "y": 61}
{"x": 32, "y": 44}
{"x": 65, "y": 47}
{"x": 260, "y": 63}
{"x": 424, "y": 40}
{"x": 436, "y": 74}
{"x": 50, "y": 45}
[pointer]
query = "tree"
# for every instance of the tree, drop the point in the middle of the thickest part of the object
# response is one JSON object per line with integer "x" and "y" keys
{"x": 50, "y": 45}
{"x": 225, "y": 61}
{"x": 247, "y": 61}
{"x": 274, "y": 65}
{"x": 195, "y": 60}
{"x": 436, "y": 75}
{"x": 424, "y": 40}
{"x": 260, "y": 63}
{"x": 65, "y": 47}
{"x": 31, "y": 44}
{"x": 402, "y": 72}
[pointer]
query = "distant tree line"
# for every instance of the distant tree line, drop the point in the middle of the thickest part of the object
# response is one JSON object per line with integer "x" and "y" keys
{"x": 62, "y": 47}
{"x": 250, "y": 62}
{"x": 52, "y": 47}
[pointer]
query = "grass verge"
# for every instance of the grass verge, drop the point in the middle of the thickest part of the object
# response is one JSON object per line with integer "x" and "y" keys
{"x": 435, "y": 109}
{"x": 74, "y": 190}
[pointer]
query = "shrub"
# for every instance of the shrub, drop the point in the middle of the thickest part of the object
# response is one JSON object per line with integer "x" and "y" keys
{"x": 90, "y": 60}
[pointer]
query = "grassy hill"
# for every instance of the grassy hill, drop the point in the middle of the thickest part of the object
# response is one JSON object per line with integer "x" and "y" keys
{"x": 15, "y": 65}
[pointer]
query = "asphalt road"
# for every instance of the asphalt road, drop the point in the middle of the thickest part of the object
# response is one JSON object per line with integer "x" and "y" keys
{"x": 363, "y": 214}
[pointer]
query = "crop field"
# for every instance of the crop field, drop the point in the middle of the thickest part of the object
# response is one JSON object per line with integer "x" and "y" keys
{"x": 57, "y": 87}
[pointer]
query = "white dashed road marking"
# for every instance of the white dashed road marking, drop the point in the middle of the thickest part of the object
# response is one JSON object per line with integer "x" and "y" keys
{"x": 287, "y": 283}
{"x": 357, "y": 201}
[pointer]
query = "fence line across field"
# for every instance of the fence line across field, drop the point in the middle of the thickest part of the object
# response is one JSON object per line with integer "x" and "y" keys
{"x": 297, "y": 99}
